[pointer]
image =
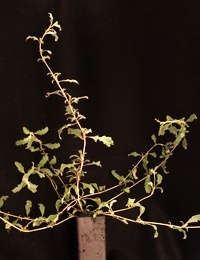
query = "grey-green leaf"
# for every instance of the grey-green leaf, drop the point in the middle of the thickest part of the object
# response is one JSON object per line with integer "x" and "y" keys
{"x": 120, "y": 178}
{"x": 26, "y": 131}
{"x": 28, "y": 207}
{"x": 135, "y": 154}
{"x": 20, "y": 167}
{"x": 2, "y": 200}
{"x": 191, "y": 118}
{"x": 19, "y": 187}
{"x": 53, "y": 160}
{"x": 42, "y": 131}
{"x": 153, "y": 138}
{"x": 147, "y": 185}
{"x": 52, "y": 146}
{"x": 130, "y": 203}
{"x": 88, "y": 186}
{"x": 58, "y": 204}
{"x": 32, "y": 187}
{"x": 104, "y": 139}
{"x": 41, "y": 208}
{"x": 194, "y": 219}
{"x": 153, "y": 154}
{"x": 53, "y": 218}
{"x": 43, "y": 161}
{"x": 47, "y": 171}
{"x": 159, "y": 179}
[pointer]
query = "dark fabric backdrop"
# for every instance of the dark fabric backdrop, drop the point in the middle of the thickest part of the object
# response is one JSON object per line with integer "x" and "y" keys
{"x": 136, "y": 60}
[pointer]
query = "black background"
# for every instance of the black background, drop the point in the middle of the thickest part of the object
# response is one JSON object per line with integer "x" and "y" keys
{"x": 136, "y": 60}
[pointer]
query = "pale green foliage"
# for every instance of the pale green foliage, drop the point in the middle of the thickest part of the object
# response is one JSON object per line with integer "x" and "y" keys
{"x": 28, "y": 207}
{"x": 74, "y": 195}
{"x": 41, "y": 208}
{"x": 104, "y": 139}
{"x": 2, "y": 200}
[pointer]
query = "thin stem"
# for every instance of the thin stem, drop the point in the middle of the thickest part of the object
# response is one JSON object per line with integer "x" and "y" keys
{"x": 55, "y": 78}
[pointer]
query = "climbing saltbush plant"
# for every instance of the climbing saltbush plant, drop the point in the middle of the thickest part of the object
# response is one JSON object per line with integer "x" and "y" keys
{"x": 74, "y": 195}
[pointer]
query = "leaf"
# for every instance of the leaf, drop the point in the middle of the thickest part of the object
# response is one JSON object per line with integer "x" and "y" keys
{"x": 142, "y": 208}
{"x": 88, "y": 186}
{"x": 41, "y": 208}
{"x": 32, "y": 149}
{"x": 20, "y": 167}
{"x": 43, "y": 161}
{"x": 173, "y": 130}
{"x": 193, "y": 219}
{"x": 104, "y": 204}
{"x": 104, "y": 139}
{"x": 42, "y": 131}
{"x": 58, "y": 204}
{"x": 147, "y": 184}
{"x": 11, "y": 224}
{"x": 153, "y": 154}
{"x": 50, "y": 18}
{"x": 53, "y": 218}
{"x": 40, "y": 174}
{"x": 191, "y": 118}
{"x": 47, "y": 171}
{"x": 184, "y": 143}
{"x": 179, "y": 139}
{"x": 145, "y": 162}
{"x": 26, "y": 131}
{"x": 163, "y": 128}
{"x": 130, "y": 203}
{"x": 32, "y": 187}
{"x": 60, "y": 130}
{"x": 2, "y": 200}
{"x": 57, "y": 25}
{"x": 28, "y": 140}
{"x": 95, "y": 186}
{"x": 68, "y": 165}
{"x": 70, "y": 81}
{"x": 86, "y": 130}
{"x": 124, "y": 221}
{"x": 127, "y": 190}
{"x": 153, "y": 138}
{"x": 155, "y": 230}
{"x": 76, "y": 189}
{"x": 135, "y": 154}
{"x": 15, "y": 223}
{"x": 57, "y": 92}
{"x": 48, "y": 51}
{"x": 101, "y": 188}
{"x": 169, "y": 118}
{"x": 32, "y": 38}
{"x": 52, "y": 146}
{"x": 75, "y": 131}
{"x": 28, "y": 207}
{"x": 111, "y": 203}
{"x": 19, "y": 187}
{"x": 38, "y": 221}
{"x": 97, "y": 200}
{"x": 120, "y": 178}
{"x": 31, "y": 170}
{"x": 98, "y": 163}
{"x": 159, "y": 179}
{"x": 163, "y": 166}
{"x": 133, "y": 172}
{"x": 53, "y": 160}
